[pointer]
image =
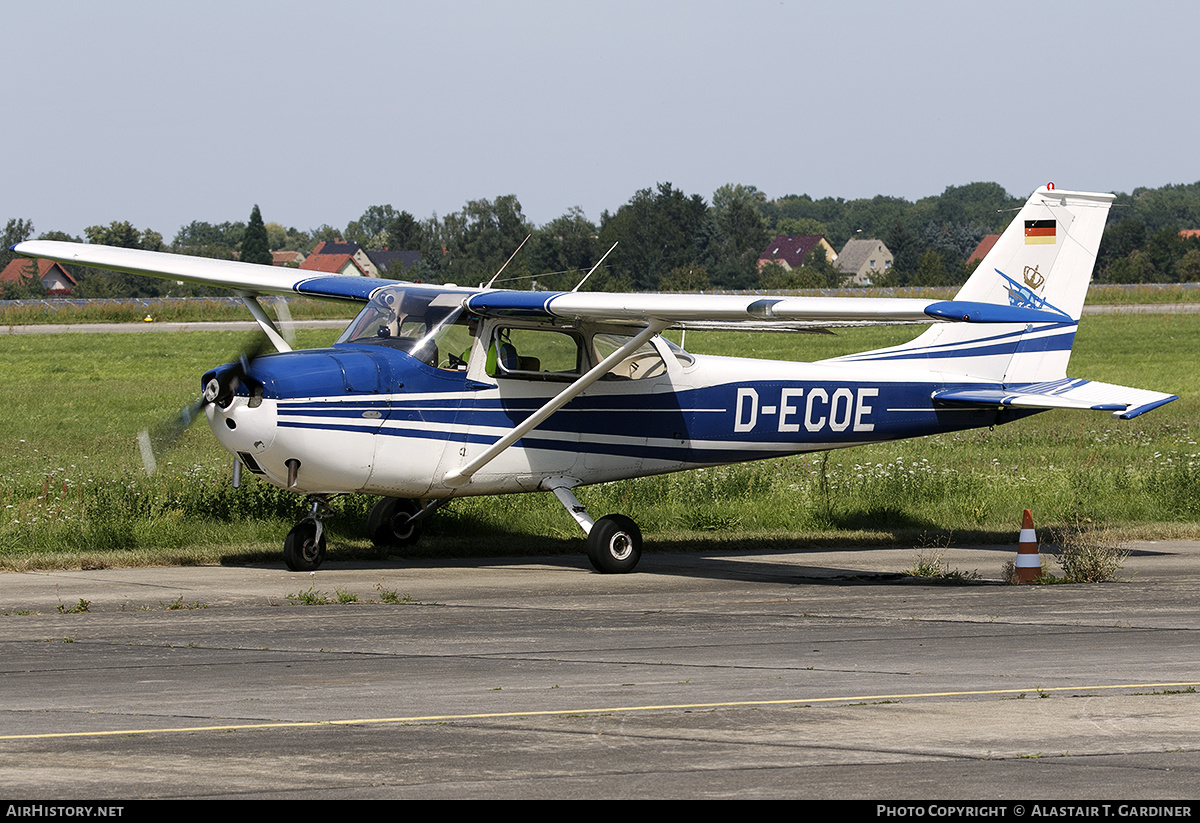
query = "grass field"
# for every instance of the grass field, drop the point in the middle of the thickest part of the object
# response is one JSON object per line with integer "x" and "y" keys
{"x": 74, "y": 493}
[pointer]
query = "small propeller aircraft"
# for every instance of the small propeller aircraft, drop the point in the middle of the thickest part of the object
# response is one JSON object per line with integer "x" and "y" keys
{"x": 437, "y": 392}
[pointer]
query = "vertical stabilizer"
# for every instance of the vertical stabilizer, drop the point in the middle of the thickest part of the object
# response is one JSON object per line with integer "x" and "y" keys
{"x": 1043, "y": 260}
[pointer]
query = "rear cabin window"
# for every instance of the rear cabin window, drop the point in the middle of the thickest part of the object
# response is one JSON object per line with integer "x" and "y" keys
{"x": 641, "y": 364}
{"x": 535, "y": 354}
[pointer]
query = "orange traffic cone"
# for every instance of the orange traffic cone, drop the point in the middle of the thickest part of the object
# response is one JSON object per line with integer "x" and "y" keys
{"x": 1029, "y": 564}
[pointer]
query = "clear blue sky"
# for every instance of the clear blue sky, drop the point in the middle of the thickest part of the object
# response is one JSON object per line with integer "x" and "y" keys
{"x": 161, "y": 113}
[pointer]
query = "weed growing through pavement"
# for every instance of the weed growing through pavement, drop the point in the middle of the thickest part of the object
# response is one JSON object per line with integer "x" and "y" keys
{"x": 1086, "y": 553}
{"x": 392, "y": 596}
{"x": 178, "y": 604}
{"x": 310, "y": 597}
{"x": 931, "y": 564}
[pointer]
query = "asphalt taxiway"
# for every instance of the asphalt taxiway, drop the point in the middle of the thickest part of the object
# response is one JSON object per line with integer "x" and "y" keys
{"x": 788, "y": 674}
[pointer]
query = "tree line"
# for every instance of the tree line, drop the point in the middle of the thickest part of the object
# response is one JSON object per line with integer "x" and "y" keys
{"x": 666, "y": 239}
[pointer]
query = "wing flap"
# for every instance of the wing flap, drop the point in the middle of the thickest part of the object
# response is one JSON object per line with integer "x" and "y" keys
{"x": 1124, "y": 402}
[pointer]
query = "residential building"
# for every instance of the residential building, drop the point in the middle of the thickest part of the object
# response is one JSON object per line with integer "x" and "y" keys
{"x": 863, "y": 260}
{"x": 55, "y": 279}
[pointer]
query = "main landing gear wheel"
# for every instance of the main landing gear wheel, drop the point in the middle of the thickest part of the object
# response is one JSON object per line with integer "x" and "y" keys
{"x": 387, "y": 524}
{"x": 614, "y": 545}
{"x": 304, "y": 547}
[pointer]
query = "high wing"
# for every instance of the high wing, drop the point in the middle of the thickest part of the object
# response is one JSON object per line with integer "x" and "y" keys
{"x": 681, "y": 310}
{"x": 229, "y": 274}
{"x": 746, "y": 311}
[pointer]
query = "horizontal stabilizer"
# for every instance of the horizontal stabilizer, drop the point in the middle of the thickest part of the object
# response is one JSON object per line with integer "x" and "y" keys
{"x": 1122, "y": 401}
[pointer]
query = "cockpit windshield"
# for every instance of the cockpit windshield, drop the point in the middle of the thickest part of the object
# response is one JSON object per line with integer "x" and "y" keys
{"x": 414, "y": 321}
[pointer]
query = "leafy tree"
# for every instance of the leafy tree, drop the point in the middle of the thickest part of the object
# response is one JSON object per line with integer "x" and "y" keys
{"x": 324, "y": 232}
{"x": 1134, "y": 267}
{"x": 371, "y": 230}
{"x": 102, "y": 283}
{"x": 657, "y": 231}
{"x": 801, "y": 225}
{"x": 59, "y": 235}
{"x": 121, "y": 234}
{"x": 405, "y": 233}
{"x": 481, "y": 237}
{"x": 986, "y": 206}
{"x": 255, "y": 248}
{"x": 562, "y": 251}
{"x": 152, "y": 241}
{"x": 1170, "y": 207}
{"x": 687, "y": 279}
{"x": 955, "y": 240}
{"x": 28, "y": 287}
{"x": 1119, "y": 240}
{"x": 16, "y": 231}
{"x": 200, "y": 239}
{"x": 906, "y": 252}
{"x": 737, "y": 235}
{"x": 931, "y": 270}
{"x": 1187, "y": 269}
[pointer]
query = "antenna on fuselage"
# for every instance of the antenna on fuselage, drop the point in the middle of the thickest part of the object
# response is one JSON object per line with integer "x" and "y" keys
{"x": 506, "y": 262}
{"x": 593, "y": 268}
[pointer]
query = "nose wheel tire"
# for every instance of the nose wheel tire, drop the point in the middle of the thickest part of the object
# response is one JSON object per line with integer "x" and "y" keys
{"x": 387, "y": 524}
{"x": 303, "y": 550}
{"x": 614, "y": 545}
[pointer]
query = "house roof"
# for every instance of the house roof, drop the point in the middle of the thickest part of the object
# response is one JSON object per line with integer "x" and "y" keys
{"x": 985, "y": 246}
{"x": 283, "y": 258}
{"x": 791, "y": 248}
{"x": 330, "y": 263}
{"x": 857, "y": 252}
{"x": 19, "y": 268}
{"x": 336, "y": 247}
{"x": 394, "y": 262}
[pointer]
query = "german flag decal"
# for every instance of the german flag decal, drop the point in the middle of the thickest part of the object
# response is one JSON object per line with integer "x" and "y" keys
{"x": 1038, "y": 232}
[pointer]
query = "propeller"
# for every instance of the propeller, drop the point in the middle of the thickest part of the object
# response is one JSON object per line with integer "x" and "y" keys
{"x": 157, "y": 440}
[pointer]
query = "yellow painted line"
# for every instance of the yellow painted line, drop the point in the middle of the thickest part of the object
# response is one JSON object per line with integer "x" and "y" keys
{"x": 441, "y": 718}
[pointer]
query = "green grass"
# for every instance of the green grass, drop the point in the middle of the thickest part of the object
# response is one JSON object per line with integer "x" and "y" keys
{"x": 72, "y": 491}
{"x": 180, "y": 310}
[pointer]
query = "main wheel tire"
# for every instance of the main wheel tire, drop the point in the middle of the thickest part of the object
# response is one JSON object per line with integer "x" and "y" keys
{"x": 382, "y": 522}
{"x": 302, "y": 551}
{"x": 614, "y": 544}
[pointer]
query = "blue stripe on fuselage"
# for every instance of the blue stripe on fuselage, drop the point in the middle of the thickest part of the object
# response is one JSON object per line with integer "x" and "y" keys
{"x": 756, "y": 415}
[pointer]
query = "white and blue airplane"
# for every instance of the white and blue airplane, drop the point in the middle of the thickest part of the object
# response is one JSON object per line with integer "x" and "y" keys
{"x": 437, "y": 392}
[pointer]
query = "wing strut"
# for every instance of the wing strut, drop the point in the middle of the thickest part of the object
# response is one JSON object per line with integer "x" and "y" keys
{"x": 264, "y": 322}
{"x": 462, "y": 475}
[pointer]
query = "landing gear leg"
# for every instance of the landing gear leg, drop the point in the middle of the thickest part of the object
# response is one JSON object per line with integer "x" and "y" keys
{"x": 304, "y": 546}
{"x": 614, "y": 542}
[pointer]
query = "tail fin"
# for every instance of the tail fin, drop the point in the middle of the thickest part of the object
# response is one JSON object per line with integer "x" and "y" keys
{"x": 1043, "y": 260}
